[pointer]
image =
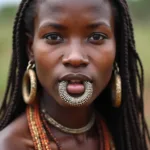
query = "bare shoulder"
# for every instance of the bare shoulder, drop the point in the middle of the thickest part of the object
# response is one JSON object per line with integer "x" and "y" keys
{"x": 16, "y": 136}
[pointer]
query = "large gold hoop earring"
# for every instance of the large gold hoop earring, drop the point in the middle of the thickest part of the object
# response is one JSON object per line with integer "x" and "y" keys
{"x": 29, "y": 86}
{"x": 116, "y": 89}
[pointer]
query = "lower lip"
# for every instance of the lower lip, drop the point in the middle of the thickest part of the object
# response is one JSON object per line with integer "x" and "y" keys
{"x": 75, "y": 88}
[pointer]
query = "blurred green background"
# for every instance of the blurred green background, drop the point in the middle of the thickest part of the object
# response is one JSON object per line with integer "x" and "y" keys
{"x": 141, "y": 16}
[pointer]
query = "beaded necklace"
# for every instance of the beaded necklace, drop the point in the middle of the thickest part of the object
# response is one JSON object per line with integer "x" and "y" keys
{"x": 38, "y": 130}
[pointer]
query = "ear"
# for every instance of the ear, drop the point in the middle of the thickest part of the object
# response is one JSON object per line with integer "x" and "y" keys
{"x": 29, "y": 50}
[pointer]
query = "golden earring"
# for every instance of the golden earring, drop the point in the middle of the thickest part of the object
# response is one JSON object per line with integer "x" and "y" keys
{"x": 116, "y": 89}
{"x": 29, "y": 90}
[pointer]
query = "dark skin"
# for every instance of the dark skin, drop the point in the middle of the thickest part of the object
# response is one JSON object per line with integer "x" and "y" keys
{"x": 71, "y": 36}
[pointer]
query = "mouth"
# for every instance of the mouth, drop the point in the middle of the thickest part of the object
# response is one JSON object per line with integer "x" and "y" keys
{"x": 75, "y": 83}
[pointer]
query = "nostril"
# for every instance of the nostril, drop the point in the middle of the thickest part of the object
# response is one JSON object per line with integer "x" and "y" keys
{"x": 86, "y": 61}
{"x": 66, "y": 64}
{"x": 65, "y": 61}
{"x": 74, "y": 61}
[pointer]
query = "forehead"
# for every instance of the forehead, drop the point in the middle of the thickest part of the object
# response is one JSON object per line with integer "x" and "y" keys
{"x": 74, "y": 9}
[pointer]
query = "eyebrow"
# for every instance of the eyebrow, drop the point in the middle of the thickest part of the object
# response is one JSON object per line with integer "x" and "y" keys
{"x": 53, "y": 25}
{"x": 62, "y": 27}
{"x": 97, "y": 24}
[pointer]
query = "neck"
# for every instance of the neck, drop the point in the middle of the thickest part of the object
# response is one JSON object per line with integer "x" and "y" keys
{"x": 71, "y": 117}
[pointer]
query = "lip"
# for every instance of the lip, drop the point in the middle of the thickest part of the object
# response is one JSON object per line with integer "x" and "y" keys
{"x": 75, "y": 76}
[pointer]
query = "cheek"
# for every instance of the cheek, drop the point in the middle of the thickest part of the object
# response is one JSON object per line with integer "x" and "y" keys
{"x": 45, "y": 60}
{"x": 104, "y": 60}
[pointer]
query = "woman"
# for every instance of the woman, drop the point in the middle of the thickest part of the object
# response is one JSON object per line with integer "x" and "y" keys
{"x": 81, "y": 75}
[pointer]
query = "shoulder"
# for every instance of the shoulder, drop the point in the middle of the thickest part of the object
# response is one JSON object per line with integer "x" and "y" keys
{"x": 16, "y": 136}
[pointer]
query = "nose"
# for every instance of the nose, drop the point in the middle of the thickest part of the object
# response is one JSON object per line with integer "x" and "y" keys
{"x": 75, "y": 57}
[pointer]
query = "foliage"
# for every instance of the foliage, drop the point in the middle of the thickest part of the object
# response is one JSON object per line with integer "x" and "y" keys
{"x": 7, "y": 13}
{"x": 140, "y": 10}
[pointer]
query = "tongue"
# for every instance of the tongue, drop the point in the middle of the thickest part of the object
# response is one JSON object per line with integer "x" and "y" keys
{"x": 75, "y": 88}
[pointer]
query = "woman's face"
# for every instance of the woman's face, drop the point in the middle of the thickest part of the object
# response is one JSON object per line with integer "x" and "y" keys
{"x": 74, "y": 37}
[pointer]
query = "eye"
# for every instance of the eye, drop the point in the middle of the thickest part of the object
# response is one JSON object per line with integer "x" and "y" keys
{"x": 53, "y": 38}
{"x": 97, "y": 37}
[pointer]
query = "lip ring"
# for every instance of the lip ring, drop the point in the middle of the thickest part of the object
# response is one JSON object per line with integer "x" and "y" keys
{"x": 75, "y": 101}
